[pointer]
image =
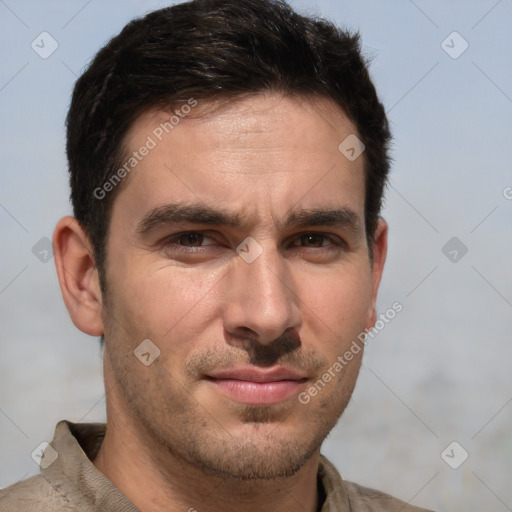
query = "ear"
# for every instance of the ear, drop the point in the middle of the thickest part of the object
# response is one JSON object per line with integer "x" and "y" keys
{"x": 380, "y": 248}
{"x": 78, "y": 276}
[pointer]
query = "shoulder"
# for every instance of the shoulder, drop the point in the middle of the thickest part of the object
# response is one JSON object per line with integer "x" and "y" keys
{"x": 371, "y": 500}
{"x": 33, "y": 495}
{"x": 344, "y": 495}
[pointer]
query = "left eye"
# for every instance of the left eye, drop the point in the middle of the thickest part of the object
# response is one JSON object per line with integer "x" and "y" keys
{"x": 312, "y": 240}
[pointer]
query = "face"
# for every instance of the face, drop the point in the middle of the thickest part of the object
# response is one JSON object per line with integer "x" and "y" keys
{"x": 238, "y": 248}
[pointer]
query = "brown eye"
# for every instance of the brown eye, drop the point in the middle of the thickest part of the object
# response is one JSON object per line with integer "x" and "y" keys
{"x": 190, "y": 239}
{"x": 312, "y": 240}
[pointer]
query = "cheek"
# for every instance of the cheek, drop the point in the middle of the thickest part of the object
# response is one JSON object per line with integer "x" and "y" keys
{"x": 338, "y": 304}
{"x": 167, "y": 305}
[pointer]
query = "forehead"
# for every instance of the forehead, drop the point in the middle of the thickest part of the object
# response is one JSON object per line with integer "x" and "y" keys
{"x": 241, "y": 120}
{"x": 261, "y": 153}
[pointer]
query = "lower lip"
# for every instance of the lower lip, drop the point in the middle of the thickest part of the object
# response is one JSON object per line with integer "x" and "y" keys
{"x": 258, "y": 393}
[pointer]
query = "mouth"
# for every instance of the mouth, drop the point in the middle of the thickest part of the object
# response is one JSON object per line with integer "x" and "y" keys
{"x": 255, "y": 386}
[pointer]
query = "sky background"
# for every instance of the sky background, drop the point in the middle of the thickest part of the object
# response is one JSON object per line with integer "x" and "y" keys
{"x": 439, "y": 372}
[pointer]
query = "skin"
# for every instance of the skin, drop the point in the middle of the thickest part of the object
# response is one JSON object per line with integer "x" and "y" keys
{"x": 174, "y": 440}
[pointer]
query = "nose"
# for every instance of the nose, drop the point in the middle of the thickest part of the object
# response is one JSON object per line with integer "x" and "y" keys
{"x": 261, "y": 299}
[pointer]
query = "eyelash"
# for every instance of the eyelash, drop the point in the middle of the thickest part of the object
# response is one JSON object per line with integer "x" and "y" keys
{"x": 336, "y": 242}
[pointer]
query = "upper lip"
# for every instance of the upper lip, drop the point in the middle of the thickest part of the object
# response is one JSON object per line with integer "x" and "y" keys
{"x": 252, "y": 374}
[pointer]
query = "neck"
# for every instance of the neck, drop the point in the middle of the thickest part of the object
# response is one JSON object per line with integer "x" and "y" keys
{"x": 157, "y": 481}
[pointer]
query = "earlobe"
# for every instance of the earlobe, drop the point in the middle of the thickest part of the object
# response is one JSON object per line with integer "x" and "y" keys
{"x": 78, "y": 276}
{"x": 380, "y": 247}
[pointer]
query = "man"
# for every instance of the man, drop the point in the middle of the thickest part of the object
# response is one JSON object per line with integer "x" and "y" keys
{"x": 227, "y": 162}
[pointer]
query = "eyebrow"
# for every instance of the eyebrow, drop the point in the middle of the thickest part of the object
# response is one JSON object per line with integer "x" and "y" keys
{"x": 175, "y": 213}
{"x": 195, "y": 213}
{"x": 343, "y": 217}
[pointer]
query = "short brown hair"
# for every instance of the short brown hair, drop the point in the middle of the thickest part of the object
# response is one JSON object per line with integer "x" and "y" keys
{"x": 208, "y": 49}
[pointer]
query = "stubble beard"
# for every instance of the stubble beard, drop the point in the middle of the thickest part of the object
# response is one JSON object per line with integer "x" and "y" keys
{"x": 262, "y": 449}
{"x": 178, "y": 431}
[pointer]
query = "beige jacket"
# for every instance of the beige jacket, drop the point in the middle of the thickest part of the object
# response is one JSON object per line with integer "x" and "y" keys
{"x": 69, "y": 482}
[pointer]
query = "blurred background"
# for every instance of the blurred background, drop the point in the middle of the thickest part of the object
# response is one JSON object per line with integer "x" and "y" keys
{"x": 431, "y": 418}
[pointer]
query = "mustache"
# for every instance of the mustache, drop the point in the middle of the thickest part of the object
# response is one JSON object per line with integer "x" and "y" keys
{"x": 285, "y": 350}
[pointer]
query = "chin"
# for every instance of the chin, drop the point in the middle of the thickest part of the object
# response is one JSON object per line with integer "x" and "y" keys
{"x": 261, "y": 450}
{"x": 250, "y": 463}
